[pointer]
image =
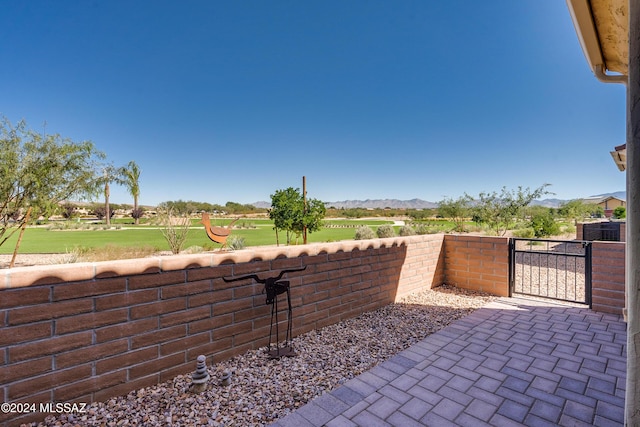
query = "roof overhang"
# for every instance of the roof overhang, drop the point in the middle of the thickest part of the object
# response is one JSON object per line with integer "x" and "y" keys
{"x": 620, "y": 156}
{"x": 602, "y": 27}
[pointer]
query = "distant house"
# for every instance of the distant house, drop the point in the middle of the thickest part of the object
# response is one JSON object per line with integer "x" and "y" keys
{"x": 608, "y": 203}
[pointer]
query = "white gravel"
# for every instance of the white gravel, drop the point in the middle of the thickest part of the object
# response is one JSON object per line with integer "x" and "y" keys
{"x": 27, "y": 260}
{"x": 263, "y": 390}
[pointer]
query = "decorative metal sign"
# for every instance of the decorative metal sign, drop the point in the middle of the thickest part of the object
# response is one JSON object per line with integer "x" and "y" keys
{"x": 273, "y": 287}
{"x": 216, "y": 233}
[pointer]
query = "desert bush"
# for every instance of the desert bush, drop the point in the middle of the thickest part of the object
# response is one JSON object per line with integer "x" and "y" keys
{"x": 620, "y": 212}
{"x": 55, "y": 226}
{"x": 544, "y": 225}
{"x": 421, "y": 229}
{"x": 385, "y": 231}
{"x": 235, "y": 242}
{"x": 524, "y": 233}
{"x": 175, "y": 230}
{"x": 364, "y": 232}
{"x": 407, "y": 230}
{"x": 137, "y": 213}
{"x": 70, "y": 257}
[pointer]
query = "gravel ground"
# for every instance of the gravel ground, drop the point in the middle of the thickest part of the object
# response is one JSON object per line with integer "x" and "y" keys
{"x": 26, "y": 260}
{"x": 263, "y": 390}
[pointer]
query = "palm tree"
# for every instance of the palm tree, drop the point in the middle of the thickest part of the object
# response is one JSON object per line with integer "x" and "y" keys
{"x": 131, "y": 176}
{"x": 110, "y": 174}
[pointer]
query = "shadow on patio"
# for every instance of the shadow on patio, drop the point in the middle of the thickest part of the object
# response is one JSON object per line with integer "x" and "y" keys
{"x": 513, "y": 362}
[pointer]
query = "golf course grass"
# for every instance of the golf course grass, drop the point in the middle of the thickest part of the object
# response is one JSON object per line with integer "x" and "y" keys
{"x": 258, "y": 232}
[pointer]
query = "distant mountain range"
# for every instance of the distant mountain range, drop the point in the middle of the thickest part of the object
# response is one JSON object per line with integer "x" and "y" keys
{"x": 554, "y": 203}
{"x": 424, "y": 204}
{"x": 383, "y": 203}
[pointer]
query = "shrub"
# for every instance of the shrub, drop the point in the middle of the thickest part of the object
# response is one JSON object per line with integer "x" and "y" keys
{"x": 406, "y": 230}
{"x": 137, "y": 213}
{"x": 385, "y": 231}
{"x": 421, "y": 229}
{"x": 235, "y": 242}
{"x": 524, "y": 233}
{"x": 544, "y": 225}
{"x": 364, "y": 232}
{"x": 175, "y": 230}
{"x": 620, "y": 212}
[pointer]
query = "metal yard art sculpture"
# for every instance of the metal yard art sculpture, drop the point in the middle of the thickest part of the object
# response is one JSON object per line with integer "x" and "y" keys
{"x": 273, "y": 287}
{"x": 216, "y": 233}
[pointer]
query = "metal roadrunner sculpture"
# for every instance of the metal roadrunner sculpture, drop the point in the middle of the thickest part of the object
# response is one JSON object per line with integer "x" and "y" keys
{"x": 216, "y": 233}
{"x": 273, "y": 287}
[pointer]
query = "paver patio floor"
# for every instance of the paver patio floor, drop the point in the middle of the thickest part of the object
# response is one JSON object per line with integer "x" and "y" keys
{"x": 513, "y": 362}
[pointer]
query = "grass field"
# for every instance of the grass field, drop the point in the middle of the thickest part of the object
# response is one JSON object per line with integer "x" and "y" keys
{"x": 256, "y": 232}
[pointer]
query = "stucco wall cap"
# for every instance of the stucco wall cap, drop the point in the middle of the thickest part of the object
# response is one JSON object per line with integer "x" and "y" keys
{"x": 48, "y": 274}
{"x": 181, "y": 262}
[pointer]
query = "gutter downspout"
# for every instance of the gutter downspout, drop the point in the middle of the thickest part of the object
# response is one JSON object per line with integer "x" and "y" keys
{"x": 601, "y": 74}
{"x": 582, "y": 17}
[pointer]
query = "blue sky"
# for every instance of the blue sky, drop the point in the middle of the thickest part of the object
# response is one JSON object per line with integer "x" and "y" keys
{"x": 231, "y": 101}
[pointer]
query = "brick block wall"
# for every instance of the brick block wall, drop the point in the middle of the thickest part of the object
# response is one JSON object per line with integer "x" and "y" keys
{"x": 86, "y": 332}
{"x": 477, "y": 263}
{"x": 608, "y": 277}
{"x": 423, "y": 266}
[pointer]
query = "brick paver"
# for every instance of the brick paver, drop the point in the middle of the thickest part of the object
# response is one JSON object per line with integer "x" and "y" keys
{"x": 514, "y": 362}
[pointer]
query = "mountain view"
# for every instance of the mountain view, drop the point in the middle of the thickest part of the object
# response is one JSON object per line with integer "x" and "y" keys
{"x": 424, "y": 204}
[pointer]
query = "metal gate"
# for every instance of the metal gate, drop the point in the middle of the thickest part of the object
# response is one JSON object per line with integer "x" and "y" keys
{"x": 554, "y": 269}
{"x": 609, "y": 231}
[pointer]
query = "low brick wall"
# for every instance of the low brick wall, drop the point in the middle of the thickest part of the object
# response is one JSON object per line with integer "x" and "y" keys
{"x": 86, "y": 332}
{"x": 478, "y": 263}
{"x": 608, "y": 277}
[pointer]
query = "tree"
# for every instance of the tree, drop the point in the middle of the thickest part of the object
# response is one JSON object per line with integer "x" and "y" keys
{"x": 544, "y": 225}
{"x": 288, "y": 213}
{"x": 620, "y": 212}
{"x": 110, "y": 174}
{"x": 131, "y": 178}
{"x": 137, "y": 213}
{"x": 101, "y": 212}
{"x": 238, "y": 208}
{"x": 574, "y": 210}
{"x": 499, "y": 211}
{"x": 68, "y": 210}
{"x": 312, "y": 216}
{"x": 39, "y": 172}
{"x": 284, "y": 210}
{"x": 455, "y": 210}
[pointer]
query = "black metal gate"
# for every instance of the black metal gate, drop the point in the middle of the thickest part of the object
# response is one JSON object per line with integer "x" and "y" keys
{"x": 554, "y": 269}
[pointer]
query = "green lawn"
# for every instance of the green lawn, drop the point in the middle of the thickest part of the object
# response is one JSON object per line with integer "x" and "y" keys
{"x": 43, "y": 240}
